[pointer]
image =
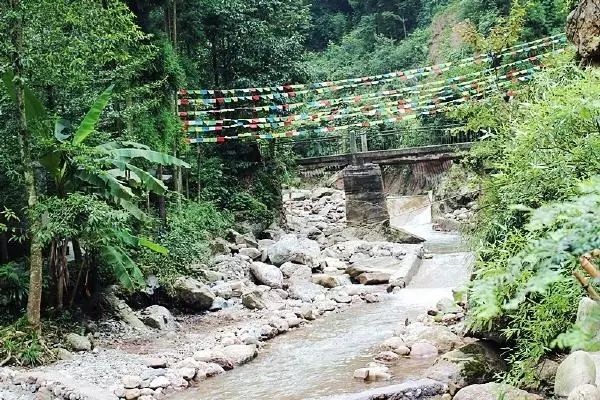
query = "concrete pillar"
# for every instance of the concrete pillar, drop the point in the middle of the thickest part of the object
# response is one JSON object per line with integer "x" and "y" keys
{"x": 365, "y": 199}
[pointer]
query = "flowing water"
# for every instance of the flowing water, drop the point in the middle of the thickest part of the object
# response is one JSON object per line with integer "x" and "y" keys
{"x": 318, "y": 360}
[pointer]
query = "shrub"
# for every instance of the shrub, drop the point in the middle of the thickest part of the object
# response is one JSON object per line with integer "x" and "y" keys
{"x": 538, "y": 154}
{"x": 14, "y": 286}
{"x": 186, "y": 235}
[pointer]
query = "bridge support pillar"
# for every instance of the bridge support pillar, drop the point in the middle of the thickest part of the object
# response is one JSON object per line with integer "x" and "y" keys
{"x": 365, "y": 198}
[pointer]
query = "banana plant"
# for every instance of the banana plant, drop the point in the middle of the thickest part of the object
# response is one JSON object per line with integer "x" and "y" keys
{"x": 107, "y": 168}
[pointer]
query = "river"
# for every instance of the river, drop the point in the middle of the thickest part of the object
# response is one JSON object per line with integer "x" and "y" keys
{"x": 318, "y": 360}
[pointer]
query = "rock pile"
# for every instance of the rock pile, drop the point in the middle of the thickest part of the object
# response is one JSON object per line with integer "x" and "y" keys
{"x": 278, "y": 283}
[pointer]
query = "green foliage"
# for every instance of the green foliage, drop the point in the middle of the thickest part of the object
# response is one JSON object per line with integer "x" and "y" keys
{"x": 14, "y": 285}
{"x": 187, "y": 233}
{"x": 538, "y": 153}
{"x": 21, "y": 345}
{"x": 100, "y": 229}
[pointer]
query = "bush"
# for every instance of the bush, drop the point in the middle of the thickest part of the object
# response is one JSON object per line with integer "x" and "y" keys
{"x": 538, "y": 154}
{"x": 14, "y": 286}
{"x": 187, "y": 234}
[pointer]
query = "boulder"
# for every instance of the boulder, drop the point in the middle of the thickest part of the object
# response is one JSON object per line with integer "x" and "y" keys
{"x": 78, "y": 343}
{"x": 223, "y": 289}
{"x": 64, "y": 354}
{"x": 251, "y": 252}
{"x": 155, "y": 362}
{"x": 374, "y": 278}
{"x": 392, "y": 343}
{"x": 583, "y": 30}
{"x": 131, "y": 381}
{"x": 242, "y": 239}
{"x": 159, "y": 382}
{"x": 131, "y": 394}
{"x": 254, "y": 300}
{"x": 473, "y": 363}
{"x": 423, "y": 350}
{"x": 294, "y": 249}
{"x": 444, "y": 339}
{"x": 587, "y": 319}
{"x": 308, "y": 313}
{"x": 192, "y": 293}
{"x": 576, "y": 370}
{"x": 304, "y": 290}
{"x": 207, "y": 370}
{"x": 447, "y": 305}
{"x": 326, "y": 280}
{"x": 240, "y": 353}
{"x": 330, "y": 262}
{"x": 341, "y": 297}
{"x": 585, "y": 392}
{"x": 296, "y": 271}
{"x": 494, "y": 391}
{"x": 546, "y": 371}
{"x": 373, "y": 374}
{"x": 266, "y": 274}
{"x": 387, "y": 357}
{"x": 122, "y": 310}
{"x": 158, "y": 317}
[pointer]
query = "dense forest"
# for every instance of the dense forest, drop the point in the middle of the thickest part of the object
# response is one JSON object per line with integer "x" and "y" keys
{"x": 98, "y": 185}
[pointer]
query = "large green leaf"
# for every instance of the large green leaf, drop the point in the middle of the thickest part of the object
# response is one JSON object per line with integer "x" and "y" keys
{"x": 59, "y": 126}
{"x": 9, "y": 85}
{"x": 51, "y": 162}
{"x": 125, "y": 270}
{"x": 126, "y": 154}
{"x": 90, "y": 120}
{"x": 108, "y": 182}
{"x": 135, "y": 241}
{"x": 153, "y": 246}
{"x": 34, "y": 109}
{"x": 132, "y": 208}
{"x": 148, "y": 181}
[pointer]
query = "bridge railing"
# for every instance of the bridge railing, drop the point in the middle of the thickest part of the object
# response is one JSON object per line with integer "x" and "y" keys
{"x": 375, "y": 141}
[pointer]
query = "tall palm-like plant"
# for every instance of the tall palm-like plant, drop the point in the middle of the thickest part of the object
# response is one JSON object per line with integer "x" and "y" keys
{"x": 107, "y": 170}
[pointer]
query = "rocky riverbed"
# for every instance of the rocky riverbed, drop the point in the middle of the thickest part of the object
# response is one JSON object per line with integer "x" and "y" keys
{"x": 253, "y": 291}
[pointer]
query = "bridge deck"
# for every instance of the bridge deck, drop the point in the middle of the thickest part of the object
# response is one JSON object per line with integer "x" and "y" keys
{"x": 409, "y": 155}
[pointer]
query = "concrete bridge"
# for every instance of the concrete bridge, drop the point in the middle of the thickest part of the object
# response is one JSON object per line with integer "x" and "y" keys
{"x": 408, "y": 155}
{"x": 363, "y": 179}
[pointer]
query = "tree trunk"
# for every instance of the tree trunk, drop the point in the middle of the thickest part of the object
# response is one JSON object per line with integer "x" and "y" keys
{"x": 162, "y": 211}
{"x": 583, "y": 29}
{"x": 3, "y": 248}
{"x": 24, "y": 139}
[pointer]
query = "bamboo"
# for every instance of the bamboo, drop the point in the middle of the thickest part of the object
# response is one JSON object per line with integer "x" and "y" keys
{"x": 586, "y": 285}
{"x": 589, "y": 267}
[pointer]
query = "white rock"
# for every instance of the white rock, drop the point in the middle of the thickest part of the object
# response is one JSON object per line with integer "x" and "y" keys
{"x": 576, "y": 370}
{"x": 267, "y": 274}
{"x": 423, "y": 350}
{"x": 131, "y": 381}
{"x": 585, "y": 392}
{"x": 159, "y": 382}
{"x": 187, "y": 373}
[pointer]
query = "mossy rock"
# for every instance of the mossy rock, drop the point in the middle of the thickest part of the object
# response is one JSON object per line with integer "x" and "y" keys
{"x": 473, "y": 363}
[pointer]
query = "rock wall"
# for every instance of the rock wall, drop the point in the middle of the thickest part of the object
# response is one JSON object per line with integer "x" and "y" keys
{"x": 413, "y": 179}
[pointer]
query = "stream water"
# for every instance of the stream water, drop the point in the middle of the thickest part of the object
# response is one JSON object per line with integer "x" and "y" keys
{"x": 318, "y": 360}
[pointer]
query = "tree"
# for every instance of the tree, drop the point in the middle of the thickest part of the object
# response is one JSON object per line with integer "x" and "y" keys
{"x": 29, "y": 117}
